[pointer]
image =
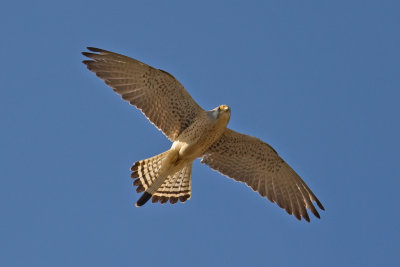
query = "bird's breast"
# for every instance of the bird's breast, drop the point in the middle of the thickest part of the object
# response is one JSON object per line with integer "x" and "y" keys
{"x": 198, "y": 137}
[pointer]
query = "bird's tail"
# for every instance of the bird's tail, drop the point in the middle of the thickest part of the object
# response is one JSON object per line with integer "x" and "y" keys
{"x": 149, "y": 177}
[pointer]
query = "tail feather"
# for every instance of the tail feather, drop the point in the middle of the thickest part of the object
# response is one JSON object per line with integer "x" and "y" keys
{"x": 143, "y": 199}
{"x": 175, "y": 187}
{"x": 146, "y": 171}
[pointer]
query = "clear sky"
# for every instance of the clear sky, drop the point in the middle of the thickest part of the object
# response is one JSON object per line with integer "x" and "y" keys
{"x": 317, "y": 80}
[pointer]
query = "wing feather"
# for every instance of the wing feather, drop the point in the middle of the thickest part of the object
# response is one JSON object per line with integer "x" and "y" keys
{"x": 161, "y": 98}
{"x": 254, "y": 162}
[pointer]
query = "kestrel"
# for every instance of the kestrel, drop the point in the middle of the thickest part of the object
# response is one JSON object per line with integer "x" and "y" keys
{"x": 196, "y": 133}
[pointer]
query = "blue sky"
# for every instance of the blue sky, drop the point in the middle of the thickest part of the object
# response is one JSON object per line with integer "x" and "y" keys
{"x": 317, "y": 80}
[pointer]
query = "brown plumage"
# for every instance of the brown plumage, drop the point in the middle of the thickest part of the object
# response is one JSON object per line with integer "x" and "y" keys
{"x": 196, "y": 133}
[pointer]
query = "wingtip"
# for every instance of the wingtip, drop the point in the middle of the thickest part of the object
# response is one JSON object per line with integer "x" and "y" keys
{"x": 86, "y": 62}
{"x": 94, "y": 49}
{"x": 320, "y": 205}
{"x": 88, "y": 54}
{"x": 316, "y": 214}
{"x": 306, "y": 217}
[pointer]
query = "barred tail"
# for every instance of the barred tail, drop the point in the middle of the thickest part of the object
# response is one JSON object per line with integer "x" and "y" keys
{"x": 145, "y": 172}
{"x": 176, "y": 187}
{"x": 149, "y": 178}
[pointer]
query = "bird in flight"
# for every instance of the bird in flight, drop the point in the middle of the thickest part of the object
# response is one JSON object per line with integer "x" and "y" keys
{"x": 196, "y": 133}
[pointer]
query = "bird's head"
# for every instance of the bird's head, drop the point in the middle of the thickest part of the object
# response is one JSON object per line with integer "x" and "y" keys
{"x": 222, "y": 112}
{"x": 224, "y": 108}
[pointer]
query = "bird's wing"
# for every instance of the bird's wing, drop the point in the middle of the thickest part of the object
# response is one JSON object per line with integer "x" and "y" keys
{"x": 250, "y": 160}
{"x": 161, "y": 98}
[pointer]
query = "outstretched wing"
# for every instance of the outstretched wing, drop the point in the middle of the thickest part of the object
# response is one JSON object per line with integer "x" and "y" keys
{"x": 161, "y": 98}
{"x": 250, "y": 160}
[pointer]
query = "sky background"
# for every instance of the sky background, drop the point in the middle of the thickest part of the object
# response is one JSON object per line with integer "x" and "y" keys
{"x": 317, "y": 80}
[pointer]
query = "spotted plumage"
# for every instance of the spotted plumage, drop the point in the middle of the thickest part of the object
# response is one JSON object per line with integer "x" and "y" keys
{"x": 196, "y": 133}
